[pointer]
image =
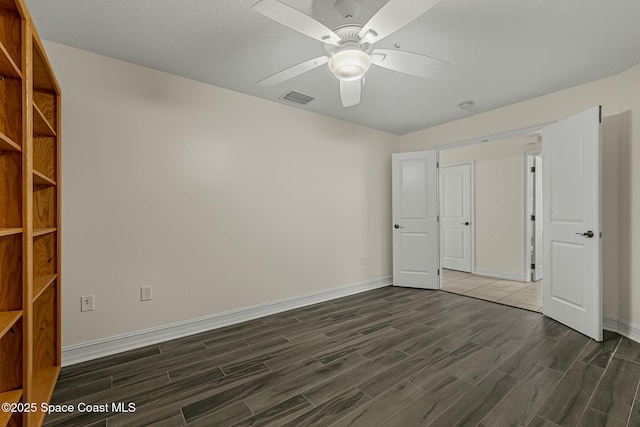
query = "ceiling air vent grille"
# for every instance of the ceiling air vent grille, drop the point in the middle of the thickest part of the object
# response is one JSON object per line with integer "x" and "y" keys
{"x": 297, "y": 98}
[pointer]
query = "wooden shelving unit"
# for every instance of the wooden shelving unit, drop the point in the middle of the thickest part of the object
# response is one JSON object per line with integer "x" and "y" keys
{"x": 29, "y": 217}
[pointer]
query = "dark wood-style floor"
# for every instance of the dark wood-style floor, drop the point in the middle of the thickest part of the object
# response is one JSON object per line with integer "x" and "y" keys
{"x": 389, "y": 357}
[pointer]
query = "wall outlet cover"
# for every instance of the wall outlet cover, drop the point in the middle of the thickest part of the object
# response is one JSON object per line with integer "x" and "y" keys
{"x": 86, "y": 303}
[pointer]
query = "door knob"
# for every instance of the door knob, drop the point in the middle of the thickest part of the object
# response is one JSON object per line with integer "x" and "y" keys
{"x": 465, "y": 223}
{"x": 588, "y": 234}
{"x": 397, "y": 226}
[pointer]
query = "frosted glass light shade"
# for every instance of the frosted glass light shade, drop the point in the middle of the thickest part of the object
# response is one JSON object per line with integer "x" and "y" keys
{"x": 349, "y": 64}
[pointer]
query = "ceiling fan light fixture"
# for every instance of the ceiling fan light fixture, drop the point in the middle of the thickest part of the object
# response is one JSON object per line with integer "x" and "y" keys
{"x": 350, "y": 64}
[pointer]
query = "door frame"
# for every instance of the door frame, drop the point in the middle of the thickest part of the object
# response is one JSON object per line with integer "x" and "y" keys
{"x": 528, "y": 207}
{"x": 472, "y": 208}
{"x": 535, "y": 129}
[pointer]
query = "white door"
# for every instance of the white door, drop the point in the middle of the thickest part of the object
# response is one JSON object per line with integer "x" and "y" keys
{"x": 538, "y": 222}
{"x": 415, "y": 220}
{"x": 571, "y": 190}
{"x": 455, "y": 217}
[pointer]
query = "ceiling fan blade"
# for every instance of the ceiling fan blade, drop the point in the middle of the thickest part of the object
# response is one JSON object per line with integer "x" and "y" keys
{"x": 350, "y": 92}
{"x": 296, "y": 20}
{"x": 393, "y": 16}
{"x": 294, "y": 71}
{"x": 409, "y": 63}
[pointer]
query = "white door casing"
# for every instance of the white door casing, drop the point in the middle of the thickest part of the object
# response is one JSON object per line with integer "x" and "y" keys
{"x": 415, "y": 224}
{"x": 572, "y": 291}
{"x": 455, "y": 216}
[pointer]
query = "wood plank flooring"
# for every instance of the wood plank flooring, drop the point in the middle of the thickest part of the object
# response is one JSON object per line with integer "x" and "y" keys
{"x": 388, "y": 357}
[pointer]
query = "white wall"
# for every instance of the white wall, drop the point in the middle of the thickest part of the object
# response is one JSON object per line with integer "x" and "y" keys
{"x": 499, "y": 202}
{"x": 217, "y": 199}
{"x": 620, "y": 97}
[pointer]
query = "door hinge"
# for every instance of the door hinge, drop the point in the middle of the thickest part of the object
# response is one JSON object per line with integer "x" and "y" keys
{"x": 438, "y": 272}
{"x": 437, "y": 164}
{"x": 438, "y": 218}
{"x": 533, "y": 217}
{"x": 533, "y": 168}
{"x": 600, "y": 114}
{"x": 533, "y": 266}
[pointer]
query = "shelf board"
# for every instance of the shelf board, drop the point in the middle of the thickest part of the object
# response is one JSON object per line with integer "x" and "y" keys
{"x": 42, "y": 231}
{"x": 40, "y": 124}
{"x": 41, "y": 179}
{"x": 9, "y": 231}
{"x": 12, "y": 396}
{"x": 44, "y": 381}
{"x": 8, "y": 66}
{"x": 41, "y": 283}
{"x": 8, "y": 319}
{"x": 8, "y": 144}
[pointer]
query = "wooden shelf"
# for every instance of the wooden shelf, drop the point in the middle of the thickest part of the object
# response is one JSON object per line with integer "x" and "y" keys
{"x": 7, "y": 144}
{"x": 40, "y": 124}
{"x": 42, "y": 179}
{"x": 30, "y": 193}
{"x": 42, "y": 231}
{"x": 9, "y": 231}
{"x": 8, "y": 319}
{"x": 12, "y": 396}
{"x": 8, "y": 66}
{"x": 44, "y": 381}
{"x": 41, "y": 283}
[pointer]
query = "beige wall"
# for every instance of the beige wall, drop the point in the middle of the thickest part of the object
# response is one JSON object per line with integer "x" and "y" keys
{"x": 218, "y": 200}
{"x": 620, "y": 97}
{"x": 499, "y": 202}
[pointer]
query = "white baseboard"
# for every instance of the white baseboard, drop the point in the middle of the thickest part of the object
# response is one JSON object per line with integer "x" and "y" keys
{"x": 104, "y": 347}
{"x": 622, "y": 327}
{"x": 500, "y": 275}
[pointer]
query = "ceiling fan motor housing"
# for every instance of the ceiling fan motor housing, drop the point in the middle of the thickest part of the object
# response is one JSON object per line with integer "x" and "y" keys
{"x": 348, "y": 9}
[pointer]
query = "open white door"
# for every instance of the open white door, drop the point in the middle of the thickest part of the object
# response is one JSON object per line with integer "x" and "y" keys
{"x": 455, "y": 219}
{"x": 571, "y": 190}
{"x": 415, "y": 220}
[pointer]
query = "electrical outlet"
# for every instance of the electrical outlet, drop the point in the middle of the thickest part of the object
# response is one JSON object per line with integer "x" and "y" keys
{"x": 363, "y": 260}
{"x": 145, "y": 293}
{"x": 86, "y": 303}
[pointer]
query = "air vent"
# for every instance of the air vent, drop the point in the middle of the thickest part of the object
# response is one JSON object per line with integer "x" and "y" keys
{"x": 297, "y": 98}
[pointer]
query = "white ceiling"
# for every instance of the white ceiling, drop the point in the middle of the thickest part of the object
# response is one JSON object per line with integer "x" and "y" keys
{"x": 502, "y": 51}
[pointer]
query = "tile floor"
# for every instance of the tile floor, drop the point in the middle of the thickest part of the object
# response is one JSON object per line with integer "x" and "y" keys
{"x": 515, "y": 294}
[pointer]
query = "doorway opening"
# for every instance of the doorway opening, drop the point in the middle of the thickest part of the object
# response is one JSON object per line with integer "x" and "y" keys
{"x": 506, "y": 230}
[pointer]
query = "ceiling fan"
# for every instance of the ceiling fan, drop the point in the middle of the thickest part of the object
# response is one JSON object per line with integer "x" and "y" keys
{"x": 350, "y": 47}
